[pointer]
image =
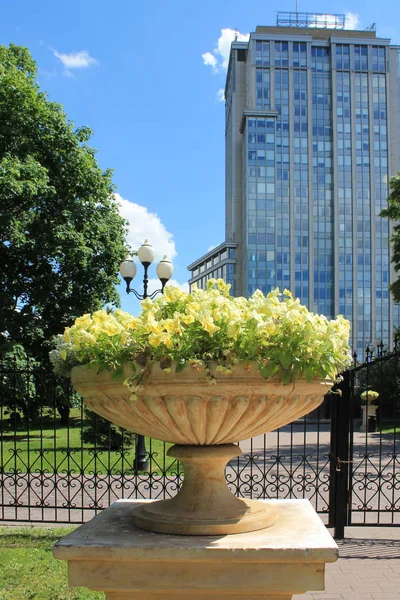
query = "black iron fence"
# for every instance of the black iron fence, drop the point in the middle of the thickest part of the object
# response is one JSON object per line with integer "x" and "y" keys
{"x": 60, "y": 463}
{"x": 365, "y": 454}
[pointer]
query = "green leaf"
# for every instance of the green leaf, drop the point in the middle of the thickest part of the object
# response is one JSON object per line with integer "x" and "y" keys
{"x": 118, "y": 373}
{"x": 268, "y": 370}
{"x": 180, "y": 366}
{"x": 287, "y": 378}
{"x": 285, "y": 360}
{"x": 308, "y": 373}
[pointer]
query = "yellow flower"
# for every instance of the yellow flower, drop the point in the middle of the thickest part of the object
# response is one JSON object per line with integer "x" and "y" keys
{"x": 112, "y": 328}
{"x": 126, "y": 320}
{"x": 233, "y": 328}
{"x": 153, "y": 326}
{"x": 207, "y": 322}
{"x": 156, "y": 339}
{"x": 84, "y": 337}
{"x": 96, "y": 329}
{"x": 223, "y": 287}
{"x": 270, "y": 325}
{"x": 173, "y": 325}
{"x": 84, "y": 321}
{"x": 146, "y": 304}
{"x": 193, "y": 307}
{"x": 188, "y": 319}
{"x": 100, "y": 316}
{"x": 172, "y": 293}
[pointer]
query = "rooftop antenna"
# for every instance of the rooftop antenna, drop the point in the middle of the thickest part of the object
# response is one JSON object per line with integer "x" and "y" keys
{"x": 236, "y": 33}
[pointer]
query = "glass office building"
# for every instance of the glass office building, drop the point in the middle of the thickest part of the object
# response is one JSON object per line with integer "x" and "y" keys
{"x": 218, "y": 263}
{"x": 312, "y": 138}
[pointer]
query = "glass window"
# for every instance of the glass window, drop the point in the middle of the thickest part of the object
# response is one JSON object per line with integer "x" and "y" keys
{"x": 263, "y": 89}
{"x": 281, "y": 54}
{"x": 360, "y": 58}
{"x": 299, "y": 54}
{"x": 262, "y": 54}
{"x": 378, "y": 58}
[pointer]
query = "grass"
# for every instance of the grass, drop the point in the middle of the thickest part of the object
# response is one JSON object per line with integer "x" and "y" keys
{"x": 60, "y": 450}
{"x": 390, "y": 428}
{"x": 28, "y": 569}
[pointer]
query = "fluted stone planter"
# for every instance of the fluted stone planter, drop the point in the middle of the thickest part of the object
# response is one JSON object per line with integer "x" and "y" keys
{"x": 203, "y": 420}
{"x": 368, "y": 409}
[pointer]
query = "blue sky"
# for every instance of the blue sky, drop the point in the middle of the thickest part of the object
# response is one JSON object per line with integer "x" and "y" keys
{"x": 134, "y": 72}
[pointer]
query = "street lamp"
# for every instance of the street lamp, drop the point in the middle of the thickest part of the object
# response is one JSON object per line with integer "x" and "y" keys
{"x": 164, "y": 272}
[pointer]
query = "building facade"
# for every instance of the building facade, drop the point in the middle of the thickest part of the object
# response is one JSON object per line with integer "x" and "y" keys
{"x": 312, "y": 138}
{"x": 218, "y": 263}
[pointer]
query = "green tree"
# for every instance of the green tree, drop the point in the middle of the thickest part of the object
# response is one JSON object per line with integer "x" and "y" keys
{"x": 104, "y": 434}
{"x": 382, "y": 376}
{"x": 17, "y": 384}
{"x": 61, "y": 235}
{"x": 392, "y": 211}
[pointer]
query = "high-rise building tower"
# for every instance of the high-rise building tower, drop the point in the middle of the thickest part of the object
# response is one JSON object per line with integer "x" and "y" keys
{"x": 312, "y": 138}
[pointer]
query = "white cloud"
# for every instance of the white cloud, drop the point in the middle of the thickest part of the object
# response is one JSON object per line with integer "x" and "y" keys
{"x": 327, "y": 20}
{"x": 184, "y": 286}
{"x": 76, "y": 60}
{"x": 209, "y": 59}
{"x": 219, "y": 57}
{"x": 143, "y": 225}
{"x": 352, "y": 21}
{"x": 221, "y": 95}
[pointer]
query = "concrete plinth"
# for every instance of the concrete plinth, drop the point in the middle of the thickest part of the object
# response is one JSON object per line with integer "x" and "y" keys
{"x": 112, "y": 555}
{"x": 367, "y": 412}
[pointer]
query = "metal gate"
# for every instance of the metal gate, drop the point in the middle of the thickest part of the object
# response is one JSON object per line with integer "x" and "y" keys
{"x": 365, "y": 440}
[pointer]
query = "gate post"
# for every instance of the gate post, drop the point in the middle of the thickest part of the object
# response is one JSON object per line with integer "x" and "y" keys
{"x": 339, "y": 455}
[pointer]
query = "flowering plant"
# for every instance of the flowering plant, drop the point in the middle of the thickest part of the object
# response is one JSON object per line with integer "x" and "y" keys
{"x": 180, "y": 329}
{"x": 369, "y": 395}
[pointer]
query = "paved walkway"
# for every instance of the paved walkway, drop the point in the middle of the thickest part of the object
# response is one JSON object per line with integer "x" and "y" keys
{"x": 368, "y": 567}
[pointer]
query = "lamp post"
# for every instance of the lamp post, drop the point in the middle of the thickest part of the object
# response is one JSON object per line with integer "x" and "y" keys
{"x": 164, "y": 272}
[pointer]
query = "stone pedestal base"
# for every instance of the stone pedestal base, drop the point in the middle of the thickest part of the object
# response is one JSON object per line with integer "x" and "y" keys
{"x": 367, "y": 412}
{"x": 205, "y": 505}
{"x": 112, "y": 555}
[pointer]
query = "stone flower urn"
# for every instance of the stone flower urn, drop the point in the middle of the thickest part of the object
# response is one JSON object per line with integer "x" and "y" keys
{"x": 369, "y": 397}
{"x": 369, "y": 400}
{"x": 203, "y": 421}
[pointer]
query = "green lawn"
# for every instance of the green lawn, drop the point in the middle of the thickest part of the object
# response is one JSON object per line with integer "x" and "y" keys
{"x": 59, "y": 449}
{"x": 389, "y": 428}
{"x": 28, "y": 569}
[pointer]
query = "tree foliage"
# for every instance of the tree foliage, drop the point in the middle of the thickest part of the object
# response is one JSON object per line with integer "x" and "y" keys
{"x": 382, "y": 376}
{"x": 103, "y": 434}
{"x": 17, "y": 383}
{"x": 61, "y": 235}
{"x": 392, "y": 211}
